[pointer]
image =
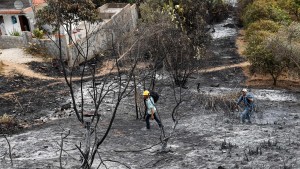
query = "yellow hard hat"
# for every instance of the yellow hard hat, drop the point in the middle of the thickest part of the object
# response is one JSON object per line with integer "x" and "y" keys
{"x": 146, "y": 93}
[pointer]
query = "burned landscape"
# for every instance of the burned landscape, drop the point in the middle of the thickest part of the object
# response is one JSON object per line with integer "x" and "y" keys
{"x": 206, "y": 133}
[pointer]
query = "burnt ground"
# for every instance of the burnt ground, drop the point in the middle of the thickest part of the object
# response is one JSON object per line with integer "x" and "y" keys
{"x": 204, "y": 137}
{"x": 28, "y": 99}
{"x": 53, "y": 68}
{"x": 208, "y": 135}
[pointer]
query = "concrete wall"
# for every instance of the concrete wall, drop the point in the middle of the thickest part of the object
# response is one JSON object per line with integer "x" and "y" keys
{"x": 52, "y": 48}
{"x": 26, "y": 38}
{"x": 110, "y": 31}
{"x": 7, "y": 42}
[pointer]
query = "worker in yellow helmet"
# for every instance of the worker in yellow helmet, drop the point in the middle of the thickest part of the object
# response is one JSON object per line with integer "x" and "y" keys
{"x": 151, "y": 109}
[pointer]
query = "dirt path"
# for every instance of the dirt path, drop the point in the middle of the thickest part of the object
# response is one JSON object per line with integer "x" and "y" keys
{"x": 219, "y": 68}
{"x": 10, "y": 67}
{"x": 15, "y": 60}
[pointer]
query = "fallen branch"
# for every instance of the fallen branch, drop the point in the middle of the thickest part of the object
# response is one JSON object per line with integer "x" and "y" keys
{"x": 62, "y": 145}
{"x": 9, "y": 149}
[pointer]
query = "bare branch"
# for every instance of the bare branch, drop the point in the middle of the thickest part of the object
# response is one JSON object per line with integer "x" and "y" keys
{"x": 9, "y": 149}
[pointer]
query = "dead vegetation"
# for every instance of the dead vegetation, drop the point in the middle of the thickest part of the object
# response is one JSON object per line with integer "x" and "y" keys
{"x": 8, "y": 124}
{"x": 37, "y": 50}
{"x": 222, "y": 103}
{"x": 1, "y": 66}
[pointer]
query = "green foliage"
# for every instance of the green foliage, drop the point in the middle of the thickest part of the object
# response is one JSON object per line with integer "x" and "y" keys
{"x": 264, "y": 61}
{"x": 292, "y": 6}
{"x": 272, "y": 44}
{"x": 286, "y": 44}
{"x": 264, "y": 9}
{"x": 261, "y": 25}
{"x": 261, "y": 58}
{"x": 64, "y": 12}
{"x": 37, "y": 33}
{"x": 272, "y": 53}
{"x": 15, "y": 33}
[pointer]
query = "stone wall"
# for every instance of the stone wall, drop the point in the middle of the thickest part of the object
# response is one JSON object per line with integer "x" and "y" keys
{"x": 7, "y": 42}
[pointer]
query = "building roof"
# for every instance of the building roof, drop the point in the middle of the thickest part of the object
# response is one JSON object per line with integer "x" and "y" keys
{"x": 9, "y": 4}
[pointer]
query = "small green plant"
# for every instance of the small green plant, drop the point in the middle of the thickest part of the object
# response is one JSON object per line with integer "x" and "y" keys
{"x": 15, "y": 33}
{"x": 37, "y": 33}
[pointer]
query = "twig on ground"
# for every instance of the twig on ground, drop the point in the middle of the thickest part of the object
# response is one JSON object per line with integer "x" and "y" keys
{"x": 61, "y": 146}
{"x": 9, "y": 149}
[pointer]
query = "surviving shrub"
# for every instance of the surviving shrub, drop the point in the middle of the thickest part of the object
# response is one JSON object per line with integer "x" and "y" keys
{"x": 264, "y": 9}
{"x": 286, "y": 44}
{"x": 37, "y": 33}
{"x": 262, "y": 25}
{"x": 292, "y": 6}
{"x": 262, "y": 59}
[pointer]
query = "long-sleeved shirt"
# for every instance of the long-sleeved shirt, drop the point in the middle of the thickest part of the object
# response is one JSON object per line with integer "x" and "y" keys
{"x": 245, "y": 99}
{"x": 150, "y": 105}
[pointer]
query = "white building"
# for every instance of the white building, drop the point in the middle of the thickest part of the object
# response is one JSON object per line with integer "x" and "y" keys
{"x": 17, "y": 15}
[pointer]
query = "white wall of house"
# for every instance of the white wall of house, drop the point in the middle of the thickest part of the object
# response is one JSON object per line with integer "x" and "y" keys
{"x": 9, "y": 26}
{"x": 31, "y": 19}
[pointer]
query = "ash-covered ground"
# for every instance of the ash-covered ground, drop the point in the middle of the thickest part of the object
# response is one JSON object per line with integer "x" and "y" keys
{"x": 205, "y": 137}
{"x": 208, "y": 135}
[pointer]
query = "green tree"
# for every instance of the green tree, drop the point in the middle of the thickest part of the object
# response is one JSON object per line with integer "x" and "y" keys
{"x": 264, "y": 9}
{"x": 65, "y": 13}
{"x": 261, "y": 25}
{"x": 286, "y": 44}
{"x": 262, "y": 59}
{"x": 292, "y": 6}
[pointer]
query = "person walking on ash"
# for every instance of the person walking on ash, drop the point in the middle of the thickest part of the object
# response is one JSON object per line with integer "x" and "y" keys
{"x": 151, "y": 109}
{"x": 248, "y": 100}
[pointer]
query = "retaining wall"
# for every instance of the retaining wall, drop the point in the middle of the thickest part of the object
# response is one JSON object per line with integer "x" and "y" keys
{"x": 7, "y": 42}
{"x": 105, "y": 34}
